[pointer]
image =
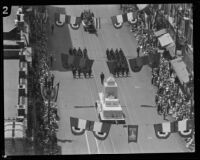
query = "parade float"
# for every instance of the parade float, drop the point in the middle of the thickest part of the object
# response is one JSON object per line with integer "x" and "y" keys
{"x": 108, "y": 105}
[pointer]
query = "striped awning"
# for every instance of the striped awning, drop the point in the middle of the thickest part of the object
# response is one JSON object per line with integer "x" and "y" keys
{"x": 14, "y": 129}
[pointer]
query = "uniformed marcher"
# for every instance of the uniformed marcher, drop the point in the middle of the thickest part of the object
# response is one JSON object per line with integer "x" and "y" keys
{"x": 74, "y": 71}
{"x": 79, "y": 52}
{"x": 102, "y": 77}
{"x": 74, "y": 51}
{"x": 79, "y": 72}
{"x": 85, "y": 53}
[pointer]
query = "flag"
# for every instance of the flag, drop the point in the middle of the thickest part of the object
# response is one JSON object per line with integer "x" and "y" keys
{"x": 77, "y": 126}
{"x": 101, "y": 130}
{"x": 132, "y": 17}
{"x": 185, "y": 127}
{"x": 74, "y": 22}
{"x": 163, "y": 130}
{"x": 117, "y": 21}
{"x": 60, "y": 19}
{"x": 132, "y": 133}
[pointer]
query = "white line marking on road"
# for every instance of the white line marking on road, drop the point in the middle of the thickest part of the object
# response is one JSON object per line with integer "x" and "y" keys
{"x": 97, "y": 145}
{"x": 89, "y": 151}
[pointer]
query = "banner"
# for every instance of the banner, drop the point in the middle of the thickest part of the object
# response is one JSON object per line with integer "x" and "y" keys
{"x": 60, "y": 19}
{"x": 100, "y": 130}
{"x": 185, "y": 127}
{"x": 77, "y": 126}
{"x": 163, "y": 130}
{"x": 117, "y": 21}
{"x": 74, "y": 22}
{"x": 132, "y": 133}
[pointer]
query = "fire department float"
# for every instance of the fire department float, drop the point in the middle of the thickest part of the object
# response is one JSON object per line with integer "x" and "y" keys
{"x": 108, "y": 106}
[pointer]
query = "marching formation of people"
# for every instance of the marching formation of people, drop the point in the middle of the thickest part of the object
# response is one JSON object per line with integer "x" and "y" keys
{"x": 79, "y": 52}
{"x": 79, "y": 71}
{"x": 120, "y": 65}
{"x": 47, "y": 121}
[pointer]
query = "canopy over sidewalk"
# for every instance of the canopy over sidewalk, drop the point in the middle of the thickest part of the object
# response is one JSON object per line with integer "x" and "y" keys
{"x": 180, "y": 69}
{"x": 160, "y": 32}
{"x": 165, "y": 40}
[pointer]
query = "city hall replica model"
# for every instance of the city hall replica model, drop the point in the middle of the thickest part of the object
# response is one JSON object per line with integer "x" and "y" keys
{"x": 108, "y": 105}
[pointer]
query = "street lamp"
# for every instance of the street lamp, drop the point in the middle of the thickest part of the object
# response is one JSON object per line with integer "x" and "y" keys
{"x": 179, "y": 10}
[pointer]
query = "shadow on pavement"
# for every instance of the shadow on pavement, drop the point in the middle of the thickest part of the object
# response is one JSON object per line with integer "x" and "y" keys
{"x": 59, "y": 41}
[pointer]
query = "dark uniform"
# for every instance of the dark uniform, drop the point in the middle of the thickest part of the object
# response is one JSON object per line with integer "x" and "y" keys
{"x": 85, "y": 73}
{"x": 102, "y": 77}
{"x": 79, "y": 72}
{"x": 74, "y": 72}
{"x": 85, "y": 53}
{"x": 127, "y": 71}
{"x": 79, "y": 52}
{"x": 74, "y": 51}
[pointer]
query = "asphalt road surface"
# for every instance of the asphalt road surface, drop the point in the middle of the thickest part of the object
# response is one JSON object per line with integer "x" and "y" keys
{"x": 134, "y": 91}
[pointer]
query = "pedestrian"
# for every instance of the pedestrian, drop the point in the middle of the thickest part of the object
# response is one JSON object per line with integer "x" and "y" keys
{"x": 117, "y": 72}
{"x": 138, "y": 51}
{"x": 52, "y": 28}
{"x": 102, "y": 77}
{"x": 70, "y": 51}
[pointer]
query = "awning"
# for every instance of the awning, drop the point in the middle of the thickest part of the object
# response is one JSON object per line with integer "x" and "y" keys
{"x": 165, "y": 40}
{"x": 180, "y": 69}
{"x": 160, "y": 32}
{"x": 14, "y": 129}
{"x": 142, "y": 6}
{"x": 171, "y": 48}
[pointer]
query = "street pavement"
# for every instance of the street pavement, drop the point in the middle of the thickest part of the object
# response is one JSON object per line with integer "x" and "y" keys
{"x": 134, "y": 91}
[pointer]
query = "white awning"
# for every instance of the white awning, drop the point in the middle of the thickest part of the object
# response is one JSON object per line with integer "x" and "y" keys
{"x": 142, "y": 6}
{"x": 14, "y": 129}
{"x": 160, "y": 32}
{"x": 165, "y": 40}
{"x": 180, "y": 69}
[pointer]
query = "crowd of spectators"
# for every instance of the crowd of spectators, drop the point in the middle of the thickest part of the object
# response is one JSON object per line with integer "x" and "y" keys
{"x": 47, "y": 119}
{"x": 171, "y": 100}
